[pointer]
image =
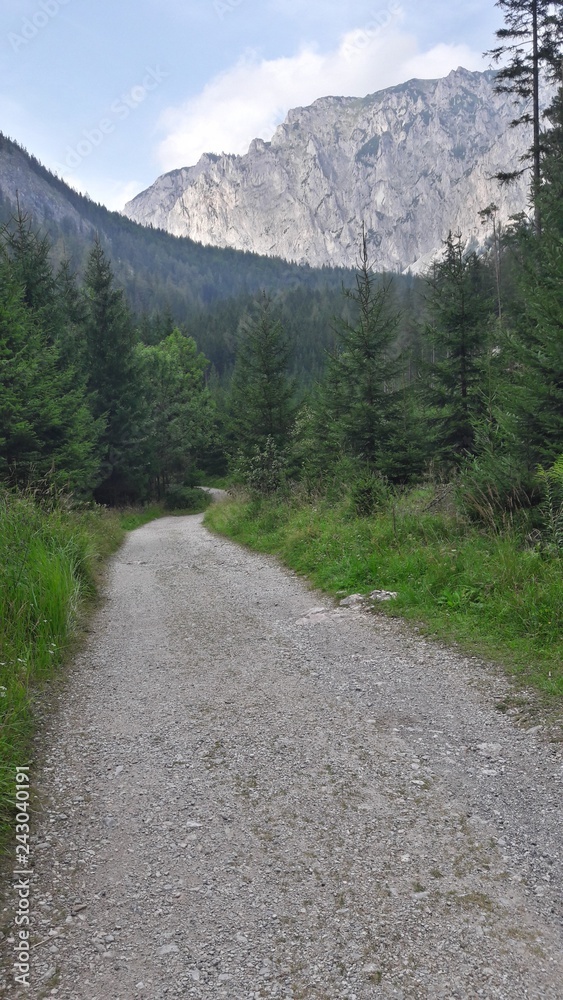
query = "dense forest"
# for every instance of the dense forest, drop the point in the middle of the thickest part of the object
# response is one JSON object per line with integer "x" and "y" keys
{"x": 387, "y": 431}
{"x": 120, "y": 394}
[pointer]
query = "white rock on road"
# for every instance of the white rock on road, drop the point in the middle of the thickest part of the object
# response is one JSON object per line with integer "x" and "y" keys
{"x": 238, "y": 800}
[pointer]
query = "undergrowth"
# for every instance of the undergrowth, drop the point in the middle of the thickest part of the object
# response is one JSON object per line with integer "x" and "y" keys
{"x": 489, "y": 591}
{"x": 179, "y": 501}
{"x": 51, "y": 554}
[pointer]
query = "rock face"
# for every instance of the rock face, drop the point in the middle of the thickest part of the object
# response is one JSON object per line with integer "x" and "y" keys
{"x": 410, "y": 162}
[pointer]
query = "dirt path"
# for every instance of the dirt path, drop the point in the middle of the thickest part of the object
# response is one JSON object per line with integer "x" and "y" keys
{"x": 245, "y": 798}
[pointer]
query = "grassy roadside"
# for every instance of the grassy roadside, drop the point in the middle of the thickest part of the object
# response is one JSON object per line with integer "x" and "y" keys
{"x": 51, "y": 557}
{"x": 488, "y": 592}
{"x": 184, "y": 500}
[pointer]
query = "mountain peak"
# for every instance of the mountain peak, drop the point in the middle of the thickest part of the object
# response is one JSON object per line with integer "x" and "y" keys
{"x": 409, "y": 162}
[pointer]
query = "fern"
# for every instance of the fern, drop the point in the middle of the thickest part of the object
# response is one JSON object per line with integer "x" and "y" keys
{"x": 551, "y": 507}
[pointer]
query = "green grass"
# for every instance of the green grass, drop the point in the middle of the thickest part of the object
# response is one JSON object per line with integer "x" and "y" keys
{"x": 488, "y": 592}
{"x": 50, "y": 561}
{"x": 51, "y": 557}
{"x": 134, "y": 517}
{"x": 191, "y": 501}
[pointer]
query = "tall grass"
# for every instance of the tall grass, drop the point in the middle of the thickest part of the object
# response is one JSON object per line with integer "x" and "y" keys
{"x": 50, "y": 555}
{"x": 488, "y": 591}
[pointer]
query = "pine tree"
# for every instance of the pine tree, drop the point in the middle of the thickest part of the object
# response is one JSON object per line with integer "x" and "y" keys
{"x": 46, "y": 427}
{"x": 262, "y": 394}
{"x": 540, "y": 390}
{"x": 29, "y": 254}
{"x": 112, "y": 377}
{"x": 459, "y": 306}
{"x": 360, "y": 397}
{"x": 181, "y": 416}
{"x": 532, "y": 39}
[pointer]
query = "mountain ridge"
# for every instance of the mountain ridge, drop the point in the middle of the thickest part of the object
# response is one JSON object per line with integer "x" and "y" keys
{"x": 410, "y": 162}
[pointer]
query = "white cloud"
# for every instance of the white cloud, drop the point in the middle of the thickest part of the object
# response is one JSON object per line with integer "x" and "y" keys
{"x": 118, "y": 193}
{"x": 109, "y": 192}
{"x": 439, "y": 60}
{"x": 248, "y": 100}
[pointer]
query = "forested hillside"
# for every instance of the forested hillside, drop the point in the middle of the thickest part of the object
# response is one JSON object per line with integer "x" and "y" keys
{"x": 157, "y": 271}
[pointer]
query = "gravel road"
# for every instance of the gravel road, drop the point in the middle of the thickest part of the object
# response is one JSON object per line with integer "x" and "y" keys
{"x": 244, "y": 796}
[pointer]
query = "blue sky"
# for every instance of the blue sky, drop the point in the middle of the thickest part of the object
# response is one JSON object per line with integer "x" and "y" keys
{"x": 110, "y": 93}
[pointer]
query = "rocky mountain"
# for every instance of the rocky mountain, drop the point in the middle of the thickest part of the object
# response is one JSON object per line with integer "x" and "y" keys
{"x": 411, "y": 162}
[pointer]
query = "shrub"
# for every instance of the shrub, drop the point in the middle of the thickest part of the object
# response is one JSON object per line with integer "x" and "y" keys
{"x": 492, "y": 489}
{"x": 186, "y": 498}
{"x": 264, "y": 472}
{"x": 551, "y": 506}
{"x": 369, "y": 493}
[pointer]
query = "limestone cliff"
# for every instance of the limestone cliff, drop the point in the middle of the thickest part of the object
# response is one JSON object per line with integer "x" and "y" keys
{"x": 410, "y": 162}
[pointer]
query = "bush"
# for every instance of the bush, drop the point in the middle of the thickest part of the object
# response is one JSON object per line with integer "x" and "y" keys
{"x": 186, "y": 498}
{"x": 551, "y": 507}
{"x": 264, "y": 472}
{"x": 369, "y": 493}
{"x": 492, "y": 489}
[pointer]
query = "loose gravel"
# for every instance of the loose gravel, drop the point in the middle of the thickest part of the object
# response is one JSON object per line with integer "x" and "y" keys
{"x": 246, "y": 792}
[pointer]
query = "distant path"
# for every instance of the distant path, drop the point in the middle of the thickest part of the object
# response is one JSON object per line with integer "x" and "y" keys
{"x": 247, "y": 798}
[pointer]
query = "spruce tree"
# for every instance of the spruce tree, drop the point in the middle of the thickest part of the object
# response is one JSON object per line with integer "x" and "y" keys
{"x": 459, "y": 306}
{"x": 46, "y": 427}
{"x": 29, "y": 254}
{"x": 532, "y": 39}
{"x": 112, "y": 378}
{"x": 180, "y": 417}
{"x": 539, "y": 393}
{"x": 361, "y": 404}
{"x": 262, "y": 394}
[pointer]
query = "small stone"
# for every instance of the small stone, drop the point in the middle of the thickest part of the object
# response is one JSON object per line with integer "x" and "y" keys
{"x": 383, "y": 595}
{"x": 167, "y": 949}
{"x": 352, "y": 601}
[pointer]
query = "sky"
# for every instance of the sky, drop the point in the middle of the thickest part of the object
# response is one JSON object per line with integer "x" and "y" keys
{"x": 110, "y": 94}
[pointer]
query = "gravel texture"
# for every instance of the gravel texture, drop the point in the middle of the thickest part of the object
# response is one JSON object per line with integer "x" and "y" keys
{"x": 246, "y": 792}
